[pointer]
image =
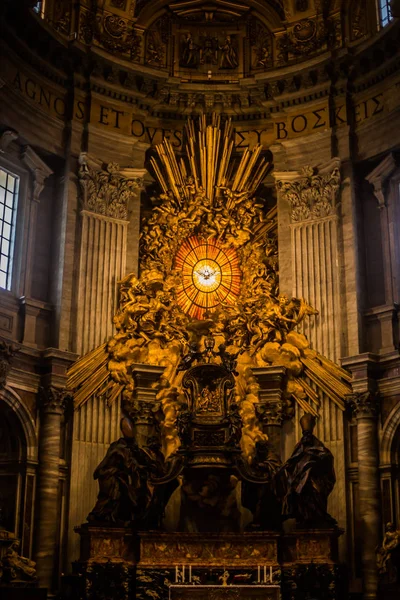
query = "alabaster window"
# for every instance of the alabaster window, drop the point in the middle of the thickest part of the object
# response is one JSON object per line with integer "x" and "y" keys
{"x": 385, "y": 15}
{"x": 9, "y": 186}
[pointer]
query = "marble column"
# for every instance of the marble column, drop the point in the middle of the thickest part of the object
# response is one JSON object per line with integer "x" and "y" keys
{"x": 53, "y": 403}
{"x": 269, "y": 410}
{"x": 366, "y": 407}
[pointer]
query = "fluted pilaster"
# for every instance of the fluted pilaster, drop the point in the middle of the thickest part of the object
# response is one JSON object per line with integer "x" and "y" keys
{"x": 106, "y": 194}
{"x": 312, "y": 195}
{"x": 102, "y": 265}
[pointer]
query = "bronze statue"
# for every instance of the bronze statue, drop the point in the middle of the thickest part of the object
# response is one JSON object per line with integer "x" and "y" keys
{"x": 306, "y": 480}
{"x": 16, "y": 567}
{"x": 260, "y": 497}
{"x": 124, "y": 494}
{"x": 161, "y": 493}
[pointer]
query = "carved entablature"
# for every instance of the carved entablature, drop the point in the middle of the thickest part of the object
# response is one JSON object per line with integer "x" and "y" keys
{"x": 364, "y": 404}
{"x": 107, "y": 191}
{"x": 312, "y": 193}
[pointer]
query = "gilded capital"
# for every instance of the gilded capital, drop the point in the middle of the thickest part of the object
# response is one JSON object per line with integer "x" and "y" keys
{"x": 107, "y": 191}
{"x": 143, "y": 412}
{"x": 270, "y": 413}
{"x": 364, "y": 404}
{"x": 311, "y": 193}
{"x": 54, "y": 400}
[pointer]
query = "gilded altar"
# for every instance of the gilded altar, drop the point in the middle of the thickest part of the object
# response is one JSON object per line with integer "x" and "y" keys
{"x": 234, "y": 592}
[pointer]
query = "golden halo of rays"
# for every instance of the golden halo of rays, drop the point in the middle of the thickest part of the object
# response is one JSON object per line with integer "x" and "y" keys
{"x": 209, "y": 159}
{"x": 196, "y": 295}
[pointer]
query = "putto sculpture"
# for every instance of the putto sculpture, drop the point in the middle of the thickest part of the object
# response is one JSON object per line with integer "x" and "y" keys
{"x": 125, "y": 494}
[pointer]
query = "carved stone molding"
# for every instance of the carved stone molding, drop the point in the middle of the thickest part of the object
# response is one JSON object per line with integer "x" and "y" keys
{"x": 379, "y": 178}
{"x": 39, "y": 170}
{"x": 54, "y": 400}
{"x": 364, "y": 404}
{"x": 311, "y": 193}
{"x": 107, "y": 191}
{"x": 7, "y": 351}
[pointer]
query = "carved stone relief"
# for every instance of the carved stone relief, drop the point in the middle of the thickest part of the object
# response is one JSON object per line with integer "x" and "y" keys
{"x": 157, "y": 43}
{"x": 208, "y": 50}
{"x": 260, "y": 41}
{"x": 358, "y": 20}
{"x": 308, "y": 36}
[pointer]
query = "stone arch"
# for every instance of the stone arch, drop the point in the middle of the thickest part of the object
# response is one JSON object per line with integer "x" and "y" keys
{"x": 390, "y": 436}
{"x": 14, "y": 402}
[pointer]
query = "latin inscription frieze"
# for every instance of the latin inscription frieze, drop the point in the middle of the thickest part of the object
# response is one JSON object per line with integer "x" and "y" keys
{"x": 282, "y": 125}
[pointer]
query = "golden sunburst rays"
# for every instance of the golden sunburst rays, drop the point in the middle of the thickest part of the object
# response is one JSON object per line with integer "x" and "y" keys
{"x": 209, "y": 161}
{"x": 210, "y": 276}
{"x": 89, "y": 375}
